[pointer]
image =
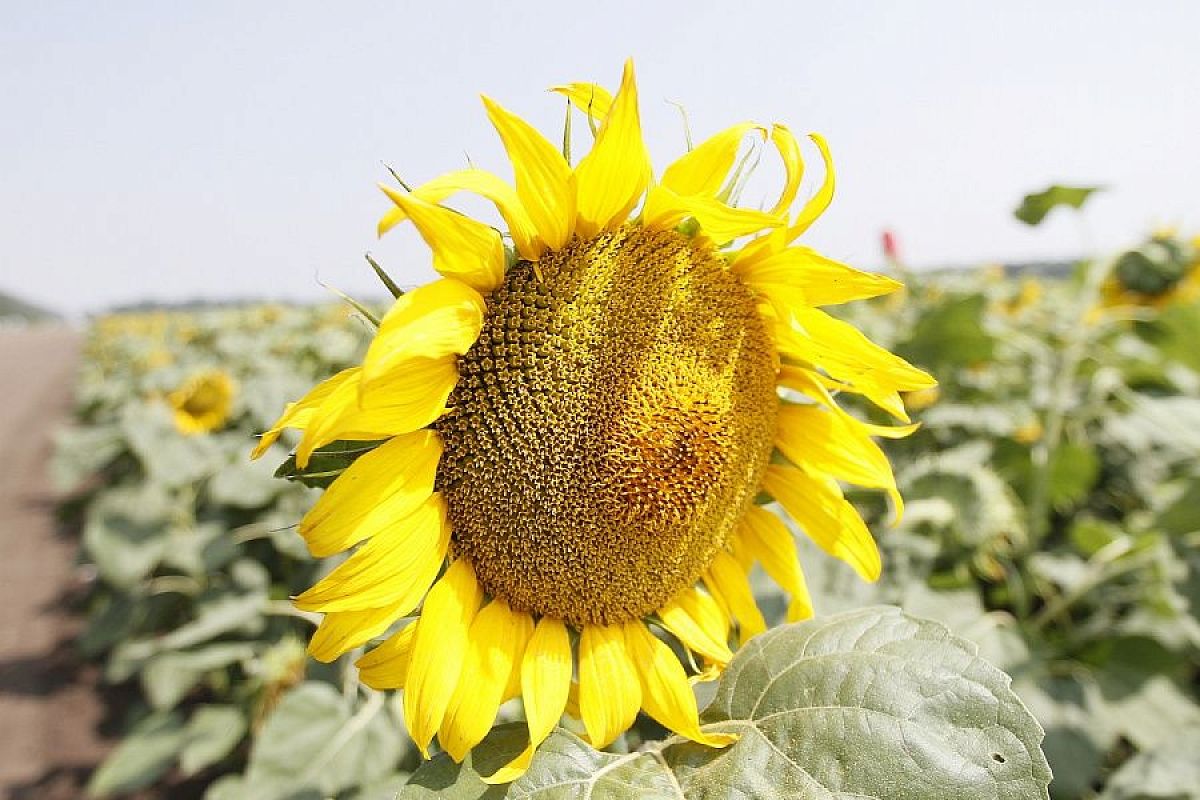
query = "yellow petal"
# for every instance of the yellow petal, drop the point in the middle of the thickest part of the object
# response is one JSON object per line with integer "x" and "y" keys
{"x": 703, "y": 170}
{"x": 609, "y": 692}
{"x": 823, "y": 442}
{"x": 395, "y": 567}
{"x": 543, "y": 177}
{"x": 377, "y": 490}
{"x": 484, "y": 184}
{"x": 611, "y": 178}
{"x": 386, "y": 666}
{"x": 721, "y": 223}
{"x": 769, "y": 541}
{"x": 847, "y": 355}
{"x": 891, "y": 402}
{"x": 800, "y": 276}
{"x": 346, "y": 630}
{"x": 440, "y": 646}
{"x": 404, "y": 401}
{"x": 545, "y": 685}
{"x": 793, "y": 164}
{"x": 463, "y": 248}
{"x": 814, "y": 386}
{"x": 821, "y": 200}
{"x": 697, "y": 621}
{"x": 300, "y": 414}
{"x": 666, "y": 694}
{"x": 497, "y": 643}
{"x": 728, "y": 584}
{"x": 817, "y": 505}
{"x": 439, "y": 319}
{"x": 590, "y": 98}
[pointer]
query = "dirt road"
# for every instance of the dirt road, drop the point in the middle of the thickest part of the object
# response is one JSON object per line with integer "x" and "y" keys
{"x": 49, "y": 710}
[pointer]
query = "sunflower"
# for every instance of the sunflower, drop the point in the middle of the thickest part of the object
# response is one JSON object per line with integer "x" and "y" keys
{"x": 202, "y": 404}
{"x": 1162, "y": 271}
{"x": 578, "y": 427}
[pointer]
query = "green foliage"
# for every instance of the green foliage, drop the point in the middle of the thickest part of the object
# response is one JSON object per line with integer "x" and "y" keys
{"x": 194, "y": 549}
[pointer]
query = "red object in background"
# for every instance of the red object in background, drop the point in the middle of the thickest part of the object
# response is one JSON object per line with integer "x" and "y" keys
{"x": 891, "y": 247}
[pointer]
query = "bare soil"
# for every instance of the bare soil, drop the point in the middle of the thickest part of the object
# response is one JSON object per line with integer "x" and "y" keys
{"x": 52, "y": 716}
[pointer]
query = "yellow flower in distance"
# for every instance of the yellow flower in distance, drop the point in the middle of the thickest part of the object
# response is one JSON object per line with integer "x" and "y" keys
{"x": 202, "y": 404}
{"x": 579, "y": 418}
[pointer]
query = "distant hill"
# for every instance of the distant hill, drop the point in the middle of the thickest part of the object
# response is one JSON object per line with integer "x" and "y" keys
{"x": 13, "y": 309}
{"x": 1012, "y": 269}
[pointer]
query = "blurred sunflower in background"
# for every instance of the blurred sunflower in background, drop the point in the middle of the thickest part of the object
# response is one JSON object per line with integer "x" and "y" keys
{"x": 203, "y": 403}
{"x": 1164, "y": 270}
{"x": 578, "y": 427}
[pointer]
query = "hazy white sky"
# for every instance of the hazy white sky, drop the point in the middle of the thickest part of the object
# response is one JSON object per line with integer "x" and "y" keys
{"x": 219, "y": 149}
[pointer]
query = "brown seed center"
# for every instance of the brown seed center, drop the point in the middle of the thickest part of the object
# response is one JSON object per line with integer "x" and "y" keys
{"x": 610, "y": 426}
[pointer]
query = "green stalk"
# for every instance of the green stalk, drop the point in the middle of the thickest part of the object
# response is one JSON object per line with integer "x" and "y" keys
{"x": 1078, "y": 336}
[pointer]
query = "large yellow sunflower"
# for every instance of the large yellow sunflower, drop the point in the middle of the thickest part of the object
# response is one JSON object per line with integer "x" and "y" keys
{"x": 581, "y": 423}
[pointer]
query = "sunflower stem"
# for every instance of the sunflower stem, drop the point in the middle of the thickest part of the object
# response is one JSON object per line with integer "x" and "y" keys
{"x": 1072, "y": 356}
{"x": 350, "y": 681}
{"x": 282, "y": 608}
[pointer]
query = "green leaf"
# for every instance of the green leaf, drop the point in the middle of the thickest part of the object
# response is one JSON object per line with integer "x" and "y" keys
{"x": 243, "y": 483}
{"x": 169, "y": 458}
{"x": 1169, "y": 772}
{"x": 242, "y": 613}
{"x": 1035, "y": 207}
{"x": 314, "y": 739}
{"x": 1143, "y": 701}
{"x": 167, "y": 677}
{"x": 951, "y": 334}
{"x": 143, "y": 756}
{"x": 1075, "y": 741}
{"x": 325, "y": 464}
{"x": 125, "y": 533}
{"x": 1183, "y": 515}
{"x": 865, "y": 704}
{"x": 212, "y": 733}
{"x": 1073, "y": 471}
{"x": 217, "y": 617}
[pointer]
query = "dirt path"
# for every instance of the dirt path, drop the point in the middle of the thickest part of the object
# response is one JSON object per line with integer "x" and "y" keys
{"x": 49, "y": 710}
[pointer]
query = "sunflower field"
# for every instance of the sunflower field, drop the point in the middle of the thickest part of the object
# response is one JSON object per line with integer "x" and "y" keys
{"x": 1052, "y": 532}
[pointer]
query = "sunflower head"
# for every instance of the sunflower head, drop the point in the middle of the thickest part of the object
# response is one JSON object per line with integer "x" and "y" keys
{"x": 202, "y": 404}
{"x": 578, "y": 426}
{"x": 1163, "y": 270}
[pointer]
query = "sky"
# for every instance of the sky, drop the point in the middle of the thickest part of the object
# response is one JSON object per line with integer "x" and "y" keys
{"x": 170, "y": 151}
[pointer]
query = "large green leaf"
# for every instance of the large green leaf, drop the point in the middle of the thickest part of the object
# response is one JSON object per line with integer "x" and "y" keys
{"x": 865, "y": 704}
